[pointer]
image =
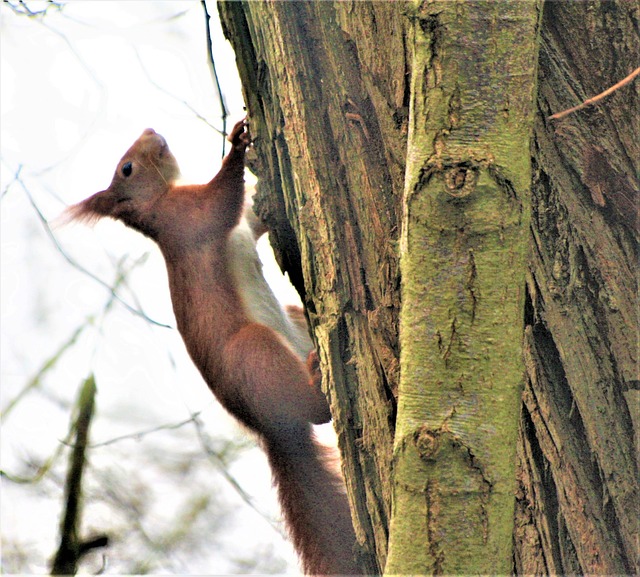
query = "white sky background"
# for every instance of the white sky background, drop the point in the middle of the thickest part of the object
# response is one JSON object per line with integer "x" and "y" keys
{"x": 78, "y": 87}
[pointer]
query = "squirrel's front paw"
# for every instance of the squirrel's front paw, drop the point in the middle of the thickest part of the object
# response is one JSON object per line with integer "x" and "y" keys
{"x": 239, "y": 135}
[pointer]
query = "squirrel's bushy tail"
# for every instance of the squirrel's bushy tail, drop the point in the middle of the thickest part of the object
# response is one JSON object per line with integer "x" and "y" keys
{"x": 313, "y": 501}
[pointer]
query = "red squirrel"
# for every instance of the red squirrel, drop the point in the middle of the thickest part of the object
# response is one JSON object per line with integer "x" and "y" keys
{"x": 249, "y": 367}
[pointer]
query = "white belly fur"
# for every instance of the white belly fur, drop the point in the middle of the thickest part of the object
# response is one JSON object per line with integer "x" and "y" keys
{"x": 260, "y": 303}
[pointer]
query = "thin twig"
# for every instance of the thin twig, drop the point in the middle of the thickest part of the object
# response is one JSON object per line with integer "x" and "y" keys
{"x": 221, "y": 465}
{"x": 87, "y": 127}
{"x": 42, "y": 470}
{"x": 214, "y": 73}
{"x": 36, "y": 380}
{"x": 22, "y": 8}
{"x": 79, "y": 267}
{"x": 16, "y": 178}
{"x": 597, "y": 98}
{"x": 51, "y": 362}
{"x": 140, "y": 434}
{"x": 181, "y": 100}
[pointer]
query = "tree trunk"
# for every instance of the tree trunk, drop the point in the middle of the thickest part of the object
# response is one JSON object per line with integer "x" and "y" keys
{"x": 330, "y": 136}
{"x": 327, "y": 87}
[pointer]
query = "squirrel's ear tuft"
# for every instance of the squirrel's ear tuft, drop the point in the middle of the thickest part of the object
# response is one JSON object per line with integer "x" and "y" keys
{"x": 90, "y": 210}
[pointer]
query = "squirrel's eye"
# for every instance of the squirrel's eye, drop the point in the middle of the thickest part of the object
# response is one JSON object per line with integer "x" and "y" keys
{"x": 127, "y": 168}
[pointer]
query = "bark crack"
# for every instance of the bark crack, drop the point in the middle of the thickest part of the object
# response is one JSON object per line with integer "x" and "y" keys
{"x": 432, "y": 503}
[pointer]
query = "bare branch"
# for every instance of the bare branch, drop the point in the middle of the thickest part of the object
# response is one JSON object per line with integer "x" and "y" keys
{"x": 222, "y": 467}
{"x": 214, "y": 73}
{"x": 78, "y": 266}
{"x": 137, "y": 436}
{"x": 16, "y": 178}
{"x": 595, "y": 99}
{"x": 71, "y": 546}
{"x": 42, "y": 470}
{"x": 23, "y": 9}
{"x": 181, "y": 100}
{"x": 49, "y": 364}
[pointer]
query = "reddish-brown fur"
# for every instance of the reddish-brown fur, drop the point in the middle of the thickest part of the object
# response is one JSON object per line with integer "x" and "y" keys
{"x": 250, "y": 369}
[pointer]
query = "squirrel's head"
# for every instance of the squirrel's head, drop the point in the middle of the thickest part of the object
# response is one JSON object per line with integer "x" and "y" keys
{"x": 144, "y": 174}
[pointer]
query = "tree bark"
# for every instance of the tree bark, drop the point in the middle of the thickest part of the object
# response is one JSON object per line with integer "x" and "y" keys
{"x": 327, "y": 87}
{"x": 578, "y": 496}
{"x": 328, "y": 108}
{"x": 463, "y": 256}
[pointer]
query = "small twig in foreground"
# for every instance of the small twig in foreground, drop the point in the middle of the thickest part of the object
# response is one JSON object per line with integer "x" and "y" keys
{"x": 72, "y": 547}
{"x": 597, "y": 98}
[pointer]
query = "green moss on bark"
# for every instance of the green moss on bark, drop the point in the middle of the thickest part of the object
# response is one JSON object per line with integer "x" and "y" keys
{"x": 463, "y": 277}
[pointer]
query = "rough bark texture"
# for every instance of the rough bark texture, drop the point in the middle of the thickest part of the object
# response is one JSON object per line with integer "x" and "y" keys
{"x": 327, "y": 89}
{"x": 578, "y": 498}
